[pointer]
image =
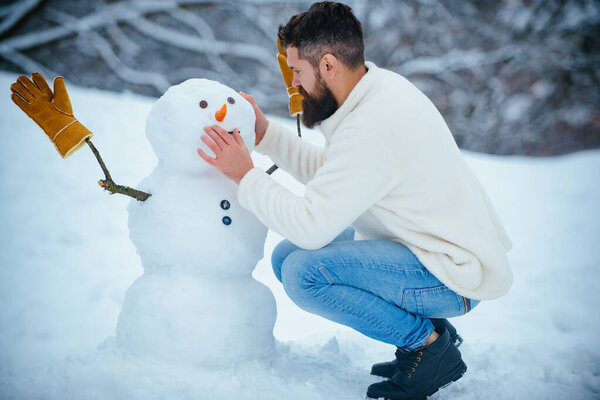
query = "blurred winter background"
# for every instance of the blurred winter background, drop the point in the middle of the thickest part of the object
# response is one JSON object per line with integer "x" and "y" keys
{"x": 509, "y": 76}
{"x": 516, "y": 80}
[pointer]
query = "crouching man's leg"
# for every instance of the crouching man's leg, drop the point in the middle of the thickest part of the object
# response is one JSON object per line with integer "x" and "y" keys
{"x": 285, "y": 248}
{"x": 380, "y": 289}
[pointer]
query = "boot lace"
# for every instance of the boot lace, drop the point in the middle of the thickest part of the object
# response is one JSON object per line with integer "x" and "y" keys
{"x": 408, "y": 361}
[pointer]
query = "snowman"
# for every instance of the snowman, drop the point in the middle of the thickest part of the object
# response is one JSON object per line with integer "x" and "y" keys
{"x": 196, "y": 301}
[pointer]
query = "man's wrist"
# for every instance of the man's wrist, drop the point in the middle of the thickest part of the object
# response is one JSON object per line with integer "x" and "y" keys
{"x": 239, "y": 179}
{"x": 262, "y": 135}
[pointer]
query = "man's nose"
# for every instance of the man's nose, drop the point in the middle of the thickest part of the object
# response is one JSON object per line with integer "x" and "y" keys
{"x": 295, "y": 81}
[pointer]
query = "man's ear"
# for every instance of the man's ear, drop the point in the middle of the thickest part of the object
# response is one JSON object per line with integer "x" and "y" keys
{"x": 328, "y": 66}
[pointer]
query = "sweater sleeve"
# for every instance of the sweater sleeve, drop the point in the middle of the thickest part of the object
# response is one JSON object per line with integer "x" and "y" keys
{"x": 290, "y": 152}
{"x": 353, "y": 177}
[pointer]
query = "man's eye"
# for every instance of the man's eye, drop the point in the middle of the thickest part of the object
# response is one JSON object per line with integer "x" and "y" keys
{"x": 231, "y": 100}
{"x": 203, "y": 104}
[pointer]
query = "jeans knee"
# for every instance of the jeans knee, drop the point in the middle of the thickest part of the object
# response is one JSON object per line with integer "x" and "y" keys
{"x": 279, "y": 254}
{"x": 296, "y": 277}
{"x": 285, "y": 248}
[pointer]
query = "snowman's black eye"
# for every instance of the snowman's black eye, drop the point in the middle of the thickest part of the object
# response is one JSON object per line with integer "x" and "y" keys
{"x": 231, "y": 100}
{"x": 203, "y": 104}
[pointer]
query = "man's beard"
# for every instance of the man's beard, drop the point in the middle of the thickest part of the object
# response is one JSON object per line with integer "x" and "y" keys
{"x": 319, "y": 106}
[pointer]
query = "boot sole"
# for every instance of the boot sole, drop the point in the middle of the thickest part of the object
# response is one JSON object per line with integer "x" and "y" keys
{"x": 448, "y": 379}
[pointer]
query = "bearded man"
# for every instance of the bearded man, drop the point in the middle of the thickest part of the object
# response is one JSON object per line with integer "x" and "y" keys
{"x": 394, "y": 233}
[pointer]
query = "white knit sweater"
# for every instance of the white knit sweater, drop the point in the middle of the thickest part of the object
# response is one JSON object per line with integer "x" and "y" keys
{"x": 391, "y": 169}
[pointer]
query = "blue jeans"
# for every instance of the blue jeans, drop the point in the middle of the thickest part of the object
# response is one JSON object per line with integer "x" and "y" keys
{"x": 377, "y": 287}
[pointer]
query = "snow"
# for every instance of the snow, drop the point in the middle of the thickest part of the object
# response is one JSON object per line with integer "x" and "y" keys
{"x": 66, "y": 262}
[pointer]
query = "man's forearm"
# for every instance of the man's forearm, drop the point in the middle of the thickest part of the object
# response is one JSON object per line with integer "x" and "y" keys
{"x": 290, "y": 152}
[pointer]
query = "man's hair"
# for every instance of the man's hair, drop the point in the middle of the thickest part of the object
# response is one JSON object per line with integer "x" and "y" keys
{"x": 327, "y": 27}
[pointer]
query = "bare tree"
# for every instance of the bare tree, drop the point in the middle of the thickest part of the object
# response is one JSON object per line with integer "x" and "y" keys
{"x": 512, "y": 77}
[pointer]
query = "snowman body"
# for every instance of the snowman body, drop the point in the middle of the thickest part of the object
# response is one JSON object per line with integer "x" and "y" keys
{"x": 196, "y": 301}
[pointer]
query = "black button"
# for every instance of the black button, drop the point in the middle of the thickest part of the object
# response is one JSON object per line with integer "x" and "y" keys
{"x": 226, "y": 220}
{"x": 225, "y": 205}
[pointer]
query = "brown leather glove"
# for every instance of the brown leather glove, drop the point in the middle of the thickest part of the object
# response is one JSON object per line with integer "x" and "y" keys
{"x": 288, "y": 75}
{"x": 51, "y": 111}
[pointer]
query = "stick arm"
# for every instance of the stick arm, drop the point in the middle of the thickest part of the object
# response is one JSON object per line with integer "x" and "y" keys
{"x": 109, "y": 184}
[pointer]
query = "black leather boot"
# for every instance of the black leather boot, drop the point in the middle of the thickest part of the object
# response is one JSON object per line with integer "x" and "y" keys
{"x": 422, "y": 372}
{"x": 389, "y": 368}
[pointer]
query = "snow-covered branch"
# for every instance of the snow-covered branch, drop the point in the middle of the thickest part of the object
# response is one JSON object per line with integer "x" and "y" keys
{"x": 203, "y": 29}
{"x": 455, "y": 60}
{"x": 28, "y": 64}
{"x": 107, "y": 15}
{"x": 14, "y": 13}
{"x": 218, "y": 47}
{"x": 490, "y": 67}
{"x": 127, "y": 47}
{"x": 106, "y": 52}
{"x": 126, "y": 73}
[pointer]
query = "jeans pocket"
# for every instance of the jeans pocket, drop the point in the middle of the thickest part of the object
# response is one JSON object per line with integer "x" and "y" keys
{"x": 434, "y": 302}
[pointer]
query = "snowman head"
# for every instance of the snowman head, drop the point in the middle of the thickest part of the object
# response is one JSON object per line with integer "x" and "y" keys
{"x": 177, "y": 120}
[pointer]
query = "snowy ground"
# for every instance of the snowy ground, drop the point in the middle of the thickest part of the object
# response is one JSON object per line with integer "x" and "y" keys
{"x": 66, "y": 261}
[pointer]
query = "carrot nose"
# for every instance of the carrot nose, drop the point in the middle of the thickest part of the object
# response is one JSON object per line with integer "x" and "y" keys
{"x": 220, "y": 115}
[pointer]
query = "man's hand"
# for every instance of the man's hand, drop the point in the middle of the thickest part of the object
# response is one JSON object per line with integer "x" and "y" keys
{"x": 232, "y": 156}
{"x": 261, "y": 121}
